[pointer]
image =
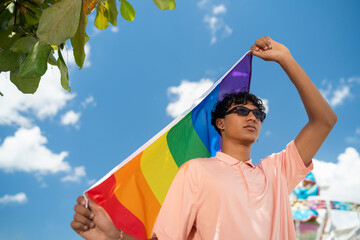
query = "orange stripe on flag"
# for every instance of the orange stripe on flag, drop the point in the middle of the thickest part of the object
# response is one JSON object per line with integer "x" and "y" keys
{"x": 134, "y": 193}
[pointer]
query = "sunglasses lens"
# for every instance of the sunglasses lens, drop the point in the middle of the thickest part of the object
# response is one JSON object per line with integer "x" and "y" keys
{"x": 259, "y": 115}
{"x": 242, "y": 111}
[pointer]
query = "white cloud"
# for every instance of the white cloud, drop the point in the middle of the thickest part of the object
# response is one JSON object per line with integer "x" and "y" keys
{"x": 219, "y": 9}
{"x": 114, "y": 29}
{"x": 213, "y": 21}
{"x": 217, "y": 25}
{"x": 323, "y": 171}
{"x": 340, "y": 182}
{"x": 343, "y": 220}
{"x": 87, "y": 101}
{"x": 266, "y": 105}
{"x": 70, "y": 118}
{"x": 342, "y": 178}
{"x": 94, "y": 31}
{"x": 17, "y": 108}
{"x": 337, "y": 96}
{"x": 19, "y": 198}
{"x": 186, "y": 95}
{"x": 26, "y": 152}
{"x": 213, "y": 25}
{"x": 91, "y": 182}
{"x": 326, "y": 91}
{"x": 227, "y": 31}
{"x": 355, "y": 139}
{"x": 70, "y": 60}
{"x": 354, "y": 80}
{"x": 203, "y": 3}
{"x": 340, "y": 95}
{"x": 76, "y": 175}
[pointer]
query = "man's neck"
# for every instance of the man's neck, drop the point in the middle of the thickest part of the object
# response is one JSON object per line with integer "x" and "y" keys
{"x": 239, "y": 151}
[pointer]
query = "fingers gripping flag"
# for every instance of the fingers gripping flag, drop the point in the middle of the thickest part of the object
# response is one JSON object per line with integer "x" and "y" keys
{"x": 133, "y": 192}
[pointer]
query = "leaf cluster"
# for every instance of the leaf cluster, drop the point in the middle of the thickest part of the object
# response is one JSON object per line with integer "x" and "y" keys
{"x": 33, "y": 33}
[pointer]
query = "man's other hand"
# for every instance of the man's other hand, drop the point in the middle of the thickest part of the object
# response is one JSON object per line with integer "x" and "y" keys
{"x": 93, "y": 223}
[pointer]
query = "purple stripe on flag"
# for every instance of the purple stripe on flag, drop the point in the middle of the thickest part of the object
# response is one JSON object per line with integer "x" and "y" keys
{"x": 238, "y": 78}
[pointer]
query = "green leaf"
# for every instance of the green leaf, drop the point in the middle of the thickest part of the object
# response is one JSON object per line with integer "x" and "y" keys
{"x": 112, "y": 11}
{"x": 127, "y": 11}
{"x": 10, "y": 60}
{"x": 37, "y": 1}
{"x": 23, "y": 44}
{"x": 79, "y": 40}
{"x": 101, "y": 20}
{"x": 4, "y": 4}
{"x": 24, "y": 84}
{"x": 64, "y": 72}
{"x": 7, "y": 38}
{"x": 31, "y": 19}
{"x": 6, "y": 16}
{"x": 33, "y": 9}
{"x": 35, "y": 64}
{"x": 59, "y": 22}
{"x": 52, "y": 60}
{"x": 165, "y": 4}
{"x": 1, "y": 94}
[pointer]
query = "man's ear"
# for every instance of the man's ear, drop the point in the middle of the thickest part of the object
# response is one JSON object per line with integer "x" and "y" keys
{"x": 220, "y": 123}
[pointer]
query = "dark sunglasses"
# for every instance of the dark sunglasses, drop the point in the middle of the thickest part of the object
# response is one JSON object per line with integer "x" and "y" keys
{"x": 244, "y": 111}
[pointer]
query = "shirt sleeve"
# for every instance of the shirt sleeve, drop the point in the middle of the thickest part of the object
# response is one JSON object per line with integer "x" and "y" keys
{"x": 178, "y": 211}
{"x": 293, "y": 167}
{"x": 290, "y": 164}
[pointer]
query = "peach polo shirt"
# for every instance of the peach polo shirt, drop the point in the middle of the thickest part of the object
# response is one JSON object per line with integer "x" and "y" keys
{"x": 222, "y": 198}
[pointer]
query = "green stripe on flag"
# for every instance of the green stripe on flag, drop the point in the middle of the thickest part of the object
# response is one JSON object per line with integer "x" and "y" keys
{"x": 184, "y": 143}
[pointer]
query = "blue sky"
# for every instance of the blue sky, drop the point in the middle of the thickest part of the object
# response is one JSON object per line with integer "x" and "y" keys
{"x": 54, "y": 144}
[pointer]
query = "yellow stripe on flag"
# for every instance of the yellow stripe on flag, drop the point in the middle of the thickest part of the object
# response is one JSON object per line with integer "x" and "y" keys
{"x": 158, "y": 167}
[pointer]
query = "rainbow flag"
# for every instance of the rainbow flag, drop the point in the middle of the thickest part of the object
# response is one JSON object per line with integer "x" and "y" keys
{"x": 133, "y": 192}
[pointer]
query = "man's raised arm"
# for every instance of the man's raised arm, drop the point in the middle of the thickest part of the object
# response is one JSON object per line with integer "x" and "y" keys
{"x": 321, "y": 117}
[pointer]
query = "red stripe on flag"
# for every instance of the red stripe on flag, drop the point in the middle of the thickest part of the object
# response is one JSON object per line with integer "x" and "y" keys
{"x": 103, "y": 195}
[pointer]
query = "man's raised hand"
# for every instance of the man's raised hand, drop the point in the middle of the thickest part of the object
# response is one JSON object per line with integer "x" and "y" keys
{"x": 270, "y": 50}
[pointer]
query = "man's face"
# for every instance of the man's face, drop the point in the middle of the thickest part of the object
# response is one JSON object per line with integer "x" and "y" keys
{"x": 242, "y": 129}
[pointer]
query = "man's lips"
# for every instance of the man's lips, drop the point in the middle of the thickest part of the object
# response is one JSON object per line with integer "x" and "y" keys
{"x": 250, "y": 127}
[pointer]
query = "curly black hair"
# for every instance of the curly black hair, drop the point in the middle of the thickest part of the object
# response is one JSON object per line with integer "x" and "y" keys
{"x": 221, "y": 107}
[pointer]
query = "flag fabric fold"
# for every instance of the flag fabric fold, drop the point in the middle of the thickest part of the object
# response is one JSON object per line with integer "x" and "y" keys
{"x": 133, "y": 192}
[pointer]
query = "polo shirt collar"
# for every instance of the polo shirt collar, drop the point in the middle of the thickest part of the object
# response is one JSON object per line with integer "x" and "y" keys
{"x": 230, "y": 160}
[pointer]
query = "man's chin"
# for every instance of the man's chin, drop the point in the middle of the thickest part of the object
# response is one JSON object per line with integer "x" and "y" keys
{"x": 248, "y": 141}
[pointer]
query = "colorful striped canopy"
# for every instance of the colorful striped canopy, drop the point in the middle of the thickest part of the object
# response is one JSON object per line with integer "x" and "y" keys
{"x": 324, "y": 204}
{"x": 133, "y": 192}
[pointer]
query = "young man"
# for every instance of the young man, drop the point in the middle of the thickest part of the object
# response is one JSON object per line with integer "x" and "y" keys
{"x": 227, "y": 197}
